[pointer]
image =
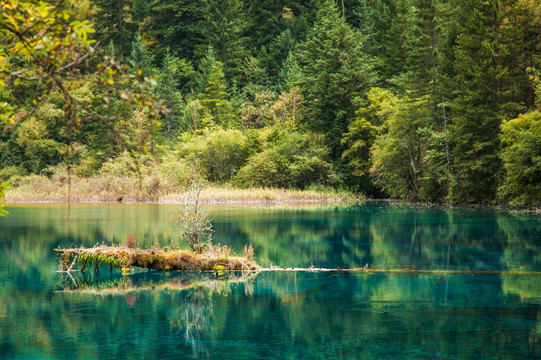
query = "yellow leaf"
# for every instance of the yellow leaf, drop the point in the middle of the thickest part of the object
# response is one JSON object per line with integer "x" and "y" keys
{"x": 110, "y": 81}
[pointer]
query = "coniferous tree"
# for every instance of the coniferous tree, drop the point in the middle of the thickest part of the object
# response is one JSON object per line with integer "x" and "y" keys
{"x": 173, "y": 24}
{"x": 222, "y": 28}
{"x": 140, "y": 59}
{"x": 496, "y": 45}
{"x": 289, "y": 74}
{"x": 168, "y": 89}
{"x": 205, "y": 66}
{"x": 214, "y": 98}
{"x": 335, "y": 71}
{"x": 114, "y": 22}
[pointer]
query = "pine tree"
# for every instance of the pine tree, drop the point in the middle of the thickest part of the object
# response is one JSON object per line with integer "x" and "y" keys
{"x": 113, "y": 22}
{"x": 214, "y": 98}
{"x": 140, "y": 59}
{"x": 289, "y": 74}
{"x": 173, "y": 24}
{"x": 222, "y": 27}
{"x": 168, "y": 90}
{"x": 205, "y": 66}
{"x": 496, "y": 45}
{"x": 335, "y": 71}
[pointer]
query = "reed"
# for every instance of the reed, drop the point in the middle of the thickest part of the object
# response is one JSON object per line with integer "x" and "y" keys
{"x": 109, "y": 188}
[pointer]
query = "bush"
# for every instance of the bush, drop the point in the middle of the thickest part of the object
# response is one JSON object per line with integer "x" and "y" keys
{"x": 10, "y": 171}
{"x": 521, "y": 156}
{"x": 218, "y": 153}
{"x": 288, "y": 160}
{"x": 174, "y": 172}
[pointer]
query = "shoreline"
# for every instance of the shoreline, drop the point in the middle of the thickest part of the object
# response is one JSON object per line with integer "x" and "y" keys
{"x": 110, "y": 190}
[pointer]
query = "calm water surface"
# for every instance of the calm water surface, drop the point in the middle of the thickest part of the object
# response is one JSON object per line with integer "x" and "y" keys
{"x": 277, "y": 315}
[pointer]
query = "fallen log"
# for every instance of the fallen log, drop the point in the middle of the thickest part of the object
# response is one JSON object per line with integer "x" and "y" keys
{"x": 216, "y": 258}
{"x": 402, "y": 271}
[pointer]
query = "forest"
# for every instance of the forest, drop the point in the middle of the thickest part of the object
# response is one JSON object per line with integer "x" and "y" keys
{"x": 433, "y": 101}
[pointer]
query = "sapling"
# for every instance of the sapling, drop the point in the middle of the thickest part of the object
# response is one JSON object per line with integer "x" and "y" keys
{"x": 193, "y": 223}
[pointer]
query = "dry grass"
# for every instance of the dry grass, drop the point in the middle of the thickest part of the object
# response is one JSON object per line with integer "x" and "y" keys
{"x": 108, "y": 188}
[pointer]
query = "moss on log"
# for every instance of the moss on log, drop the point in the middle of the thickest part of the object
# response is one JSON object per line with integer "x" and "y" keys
{"x": 123, "y": 257}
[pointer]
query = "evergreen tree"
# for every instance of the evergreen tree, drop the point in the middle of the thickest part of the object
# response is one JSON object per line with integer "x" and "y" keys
{"x": 168, "y": 90}
{"x": 140, "y": 59}
{"x": 335, "y": 71}
{"x": 267, "y": 19}
{"x": 496, "y": 45}
{"x": 173, "y": 24}
{"x": 205, "y": 66}
{"x": 222, "y": 27}
{"x": 289, "y": 74}
{"x": 279, "y": 49}
{"x": 114, "y": 22}
{"x": 214, "y": 98}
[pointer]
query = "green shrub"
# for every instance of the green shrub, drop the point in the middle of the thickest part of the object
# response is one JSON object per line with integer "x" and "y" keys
{"x": 10, "y": 171}
{"x": 174, "y": 172}
{"x": 218, "y": 153}
{"x": 521, "y": 157}
{"x": 288, "y": 160}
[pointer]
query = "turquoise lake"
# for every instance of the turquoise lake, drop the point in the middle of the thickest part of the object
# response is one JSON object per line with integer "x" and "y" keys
{"x": 162, "y": 315}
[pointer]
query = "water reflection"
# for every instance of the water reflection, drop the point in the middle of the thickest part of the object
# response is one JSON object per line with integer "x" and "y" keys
{"x": 189, "y": 318}
{"x": 277, "y": 315}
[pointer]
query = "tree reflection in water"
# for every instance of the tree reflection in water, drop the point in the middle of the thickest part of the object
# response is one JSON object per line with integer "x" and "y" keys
{"x": 190, "y": 314}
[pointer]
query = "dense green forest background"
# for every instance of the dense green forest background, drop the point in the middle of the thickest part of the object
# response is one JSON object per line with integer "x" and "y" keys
{"x": 425, "y": 100}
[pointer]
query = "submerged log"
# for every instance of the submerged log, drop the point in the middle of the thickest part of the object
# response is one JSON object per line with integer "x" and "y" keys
{"x": 404, "y": 271}
{"x": 218, "y": 259}
{"x": 125, "y": 257}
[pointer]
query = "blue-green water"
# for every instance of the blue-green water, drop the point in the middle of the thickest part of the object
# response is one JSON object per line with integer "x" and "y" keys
{"x": 277, "y": 315}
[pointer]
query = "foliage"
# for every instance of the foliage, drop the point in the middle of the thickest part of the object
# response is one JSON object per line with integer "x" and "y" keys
{"x": 521, "y": 156}
{"x": 363, "y": 131}
{"x": 397, "y": 153}
{"x": 214, "y": 97}
{"x": 335, "y": 71}
{"x": 222, "y": 28}
{"x": 3, "y": 205}
{"x": 288, "y": 159}
{"x": 218, "y": 153}
{"x": 118, "y": 86}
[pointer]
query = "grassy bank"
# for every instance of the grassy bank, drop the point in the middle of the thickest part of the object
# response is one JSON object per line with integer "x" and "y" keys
{"x": 108, "y": 188}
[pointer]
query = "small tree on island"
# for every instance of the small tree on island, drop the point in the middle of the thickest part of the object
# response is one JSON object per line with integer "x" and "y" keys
{"x": 193, "y": 222}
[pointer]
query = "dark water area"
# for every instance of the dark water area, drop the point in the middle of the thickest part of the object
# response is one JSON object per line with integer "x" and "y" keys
{"x": 161, "y": 315}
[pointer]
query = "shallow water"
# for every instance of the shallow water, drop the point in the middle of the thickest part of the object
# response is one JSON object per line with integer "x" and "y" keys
{"x": 277, "y": 315}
